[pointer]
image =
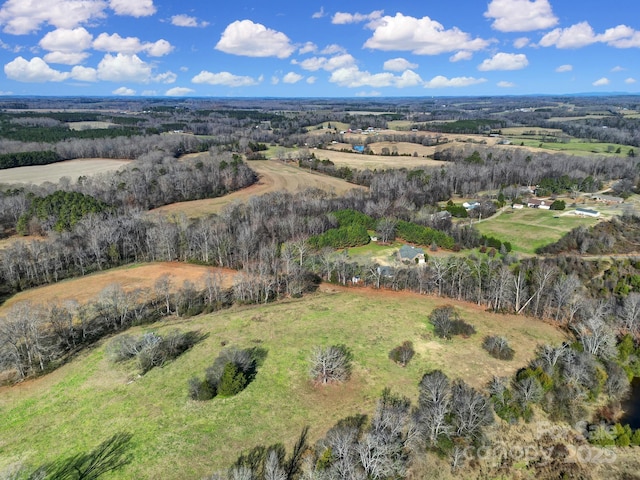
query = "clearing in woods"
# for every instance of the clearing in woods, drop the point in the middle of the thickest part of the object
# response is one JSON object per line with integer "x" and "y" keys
{"x": 53, "y": 172}
{"x": 273, "y": 176}
{"x": 89, "y": 399}
{"x": 130, "y": 277}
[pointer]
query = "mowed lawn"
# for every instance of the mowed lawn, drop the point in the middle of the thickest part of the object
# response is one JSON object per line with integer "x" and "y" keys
{"x": 530, "y": 228}
{"x": 84, "y": 402}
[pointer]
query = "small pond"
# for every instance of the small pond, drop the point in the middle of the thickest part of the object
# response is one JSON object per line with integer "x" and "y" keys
{"x": 631, "y": 406}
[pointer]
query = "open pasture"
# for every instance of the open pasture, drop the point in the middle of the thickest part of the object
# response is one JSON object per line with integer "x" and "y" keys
{"x": 361, "y": 162}
{"x": 530, "y": 228}
{"x": 85, "y": 401}
{"x": 89, "y": 125}
{"x": 72, "y": 169}
{"x": 273, "y": 176}
{"x": 131, "y": 277}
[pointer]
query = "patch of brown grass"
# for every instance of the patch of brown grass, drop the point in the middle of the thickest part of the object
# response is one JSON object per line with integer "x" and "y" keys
{"x": 86, "y": 288}
{"x": 274, "y": 176}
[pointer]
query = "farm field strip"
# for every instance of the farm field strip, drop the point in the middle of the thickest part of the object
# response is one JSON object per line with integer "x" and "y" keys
{"x": 73, "y": 169}
{"x": 130, "y": 277}
{"x": 274, "y": 176}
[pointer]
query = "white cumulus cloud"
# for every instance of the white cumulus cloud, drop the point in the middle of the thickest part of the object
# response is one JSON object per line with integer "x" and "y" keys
{"x": 422, "y": 36}
{"x": 292, "y": 77}
{"x": 332, "y": 49}
{"x": 308, "y": 47}
{"x": 124, "y": 91}
{"x": 505, "y": 84}
{"x": 521, "y": 15}
{"x": 398, "y": 65}
{"x": 159, "y": 48}
{"x": 521, "y": 42}
{"x": 187, "y": 21}
{"x": 66, "y": 58}
{"x": 35, "y": 70}
{"x": 600, "y": 82}
{"x": 576, "y": 36}
{"x": 630, "y": 80}
{"x": 20, "y": 17}
{"x": 564, "y": 68}
{"x": 319, "y": 14}
{"x": 166, "y": 77}
{"x": 504, "y": 61}
{"x": 342, "y": 18}
{"x": 441, "y": 81}
{"x": 84, "y": 74}
{"x": 66, "y": 40}
{"x": 329, "y": 64}
{"x": 225, "y": 78}
{"x": 311, "y": 80}
{"x": 66, "y": 46}
{"x": 133, "y": 8}
{"x": 244, "y": 37}
{"x": 130, "y": 45}
{"x": 582, "y": 34}
{"x": 353, "y": 77}
{"x": 459, "y": 56}
{"x": 123, "y": 68}
{"x": 179, "y": 92}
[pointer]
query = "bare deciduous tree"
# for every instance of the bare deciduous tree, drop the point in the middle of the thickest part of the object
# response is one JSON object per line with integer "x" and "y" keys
{"x": 330, "y": 364}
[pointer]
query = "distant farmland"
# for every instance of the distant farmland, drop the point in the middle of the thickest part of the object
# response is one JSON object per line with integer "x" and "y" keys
{"x": 274, "y": 176}
{"x": 54, "y": 172}
{"x": 87, "y": 288}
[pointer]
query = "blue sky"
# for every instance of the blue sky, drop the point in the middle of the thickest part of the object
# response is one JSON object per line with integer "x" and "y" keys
{"x": 324, "y": 49}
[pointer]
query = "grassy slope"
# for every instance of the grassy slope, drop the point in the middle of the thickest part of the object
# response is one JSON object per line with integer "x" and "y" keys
{"x": 530, "y": 228}
{"x": 84, "y": 402}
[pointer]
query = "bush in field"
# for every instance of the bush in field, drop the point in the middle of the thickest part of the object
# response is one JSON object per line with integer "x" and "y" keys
{"x": 150, "y": 349}
{"x": 331, "y": 364}
{"x": 498, "y": 347}
{"x": 447, "y": 323}
{"x": 402, "y": 354}
{"x": 199, "y": 389}
{"x": 232, "y": 381}
{"x": 229, "y": 374}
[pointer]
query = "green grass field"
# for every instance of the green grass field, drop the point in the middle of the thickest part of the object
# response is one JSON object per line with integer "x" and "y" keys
{"x": 530, "y": 228}
{"x": 576, "y": 146}
{"x": 76, "y": 407}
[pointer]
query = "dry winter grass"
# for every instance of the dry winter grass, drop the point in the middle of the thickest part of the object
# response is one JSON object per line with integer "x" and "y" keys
{"x": 75, "y": 407}
{"x": 274, "y": 176}
{"x": 131, "y": 277}
{"x": 54, "y": 172}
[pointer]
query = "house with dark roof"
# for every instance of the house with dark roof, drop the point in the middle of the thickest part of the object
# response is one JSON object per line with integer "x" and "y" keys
{"x": 587, "y": 212}
{"x": 598, "y": 197}
{"x": 409, "y": 254}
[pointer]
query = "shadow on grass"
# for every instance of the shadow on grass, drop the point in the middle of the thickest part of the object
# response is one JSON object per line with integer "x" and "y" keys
{"x": 110, "y": 455}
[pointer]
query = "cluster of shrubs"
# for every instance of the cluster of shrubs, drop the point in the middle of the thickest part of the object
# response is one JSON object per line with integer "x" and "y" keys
{"x": 402, "y": 354}
{"x": 447, "y": 323}
{"x": 617, "y": 435}
{"x": 492, "y": 242}
{"x": 151, "y": 349}
{"x": 498, "y": 347}
{"x": 229, "y": 374}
